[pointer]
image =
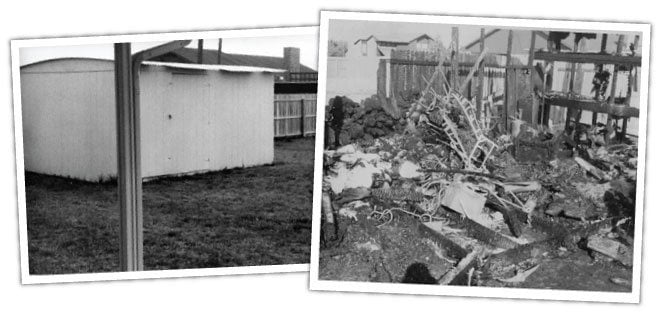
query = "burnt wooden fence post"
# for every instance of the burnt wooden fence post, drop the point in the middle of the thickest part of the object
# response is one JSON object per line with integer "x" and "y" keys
{"x": 534, "y": 116}
{"x": 454, "y": 58}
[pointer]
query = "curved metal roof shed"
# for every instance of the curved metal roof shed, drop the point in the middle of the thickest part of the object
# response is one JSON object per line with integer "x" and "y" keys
{"x": 194, "y": 118}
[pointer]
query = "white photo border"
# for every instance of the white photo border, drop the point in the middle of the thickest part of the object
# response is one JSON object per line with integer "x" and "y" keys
{"x": 16, "y": 45}
{"x": 569, "y": 295}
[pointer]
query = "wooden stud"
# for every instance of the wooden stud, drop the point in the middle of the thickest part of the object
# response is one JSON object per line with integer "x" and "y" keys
{"x": 453, "y": 276}
{"x": 480, "y": 75}
{"x": 454, "y": 58}
{"x": 615, "y": 75}
{"x": 603, "y": 50}
{"x": 570, "y": 112}
{"x": 595, "y": 58}
{"x": 509, "y": 90}
{"x": 603, "y": 44}
{"x": 532, "y": 72}
{"x": 624, "y": 126}
{"x": 473, "y": 70}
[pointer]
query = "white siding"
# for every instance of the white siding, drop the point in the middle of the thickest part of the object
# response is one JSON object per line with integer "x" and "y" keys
{"x": 69, "y": 119}
{"x": 192, "y": 120}
{"x": 356, "y": 78}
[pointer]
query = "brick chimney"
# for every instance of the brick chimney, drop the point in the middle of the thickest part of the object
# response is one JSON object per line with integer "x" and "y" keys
{"x": 292, "y": 59}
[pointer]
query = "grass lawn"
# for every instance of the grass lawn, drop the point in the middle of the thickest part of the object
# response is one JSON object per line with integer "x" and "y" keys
{"x": 238, "y": 217}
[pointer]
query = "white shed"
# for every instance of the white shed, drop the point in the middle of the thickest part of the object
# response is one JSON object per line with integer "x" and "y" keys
{"x": 194, "y": 118}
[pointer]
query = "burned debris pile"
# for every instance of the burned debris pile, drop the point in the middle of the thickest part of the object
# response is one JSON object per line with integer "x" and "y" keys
{"x": 365, "y": 121}
{"x": 440, "y": 195}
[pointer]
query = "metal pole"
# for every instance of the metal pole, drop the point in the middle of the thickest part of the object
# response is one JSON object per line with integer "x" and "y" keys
{"x": 220, "y": 51}
{"x": 200, "y": 51}
{"x": 128, "y": 162}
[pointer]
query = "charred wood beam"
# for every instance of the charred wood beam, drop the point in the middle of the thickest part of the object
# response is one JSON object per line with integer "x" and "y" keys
{"x": 619, "y": 110}
{"x": 457, "y": 274}
{"x": 596, "y": 58}
{"x": 466, "y": 172}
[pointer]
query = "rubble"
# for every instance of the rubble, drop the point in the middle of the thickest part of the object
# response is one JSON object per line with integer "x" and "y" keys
{"x": 611, "y": 248}
{"x": 366, "y": 121}
{"x": 520, "y": 276}
{"x": 464, "y": 200}
{"x": 463, "y": 195}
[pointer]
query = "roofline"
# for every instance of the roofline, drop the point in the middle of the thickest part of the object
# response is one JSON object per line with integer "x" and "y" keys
{"x": 422, "y": 35}
{"x": 364, "y": 39}
{"x": 207, "y": 67}
{"x": 215, "y": 51}
{"x": 66, "y": 58}
{"x": 394, "y": 42}
{"x": 213, "y": 67}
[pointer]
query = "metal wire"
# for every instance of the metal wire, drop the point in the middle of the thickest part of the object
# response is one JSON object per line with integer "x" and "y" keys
{"x": 387, "y": 215}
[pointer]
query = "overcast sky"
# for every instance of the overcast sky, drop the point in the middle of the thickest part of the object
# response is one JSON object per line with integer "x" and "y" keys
{"x": 350, "y": 31}
{"x": 269, "y": 46}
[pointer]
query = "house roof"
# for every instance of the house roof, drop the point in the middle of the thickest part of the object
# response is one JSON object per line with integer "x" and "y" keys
{"x": 394, "y": 40}
{"x": 210, "y": 56}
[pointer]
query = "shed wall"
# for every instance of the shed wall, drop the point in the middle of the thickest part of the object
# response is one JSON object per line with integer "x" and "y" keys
{"x": 69, "y": 119}
{"x": 192, "y": 120}
{"x": 195, "y": 121}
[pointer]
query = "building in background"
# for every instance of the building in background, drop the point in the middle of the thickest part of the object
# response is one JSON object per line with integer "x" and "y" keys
{"x": 295, "y": 86}
{"x": 373, "y": 46}
{"x": 293, "y": 70}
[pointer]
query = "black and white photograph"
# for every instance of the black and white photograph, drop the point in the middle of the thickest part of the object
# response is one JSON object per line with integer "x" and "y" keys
{"x": 478, "y": 156}
{"x": 174, "y": 152}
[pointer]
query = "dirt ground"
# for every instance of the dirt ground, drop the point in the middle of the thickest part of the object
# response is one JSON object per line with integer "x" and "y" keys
{"x": 376, "y": 252}
{"x": 238, "y": 217}
{"x": 551, "y": 247}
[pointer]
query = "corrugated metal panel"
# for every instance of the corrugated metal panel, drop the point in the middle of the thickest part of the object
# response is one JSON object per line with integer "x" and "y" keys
{"x": 190, "y": 122}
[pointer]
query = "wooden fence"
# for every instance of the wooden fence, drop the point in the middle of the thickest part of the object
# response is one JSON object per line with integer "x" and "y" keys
{"x": 295, "y": 114}
{"x": 407, "y": 71}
